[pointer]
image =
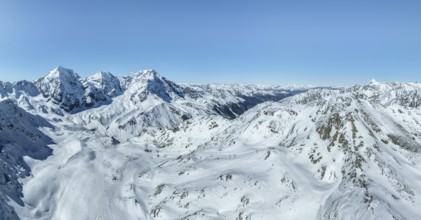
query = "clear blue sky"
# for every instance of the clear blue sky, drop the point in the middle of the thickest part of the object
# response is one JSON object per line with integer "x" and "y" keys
{"x": 226, "y": 41}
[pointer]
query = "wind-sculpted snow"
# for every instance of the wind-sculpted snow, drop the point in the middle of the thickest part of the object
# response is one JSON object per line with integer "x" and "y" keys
{"x": 152, "y": 149}
{"x": 334, "y": 157}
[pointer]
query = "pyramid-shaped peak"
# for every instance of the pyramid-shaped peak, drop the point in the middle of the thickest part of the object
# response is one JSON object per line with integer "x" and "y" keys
{"x": 63, "y": 86}
{"x": 101, "y": 76}
{"x": 62, "y": 73}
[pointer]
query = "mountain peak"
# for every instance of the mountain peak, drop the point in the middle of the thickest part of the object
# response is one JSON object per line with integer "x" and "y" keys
{"x": 61, "y": 68}
{"x": 101, "y": 76}
{"x": 374, "y": 82}
{"x": 147, "y": 74}
{"x": 63, "y": 86}
{"x": 147, "y": 82}
{"x": 106, "y": 82}
{"x": 62, "y": 73}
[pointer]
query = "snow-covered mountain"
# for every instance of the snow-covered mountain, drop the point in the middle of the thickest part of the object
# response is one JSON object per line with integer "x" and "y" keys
{"x": 65, "y": 89}
{"x": 143, "y": 147}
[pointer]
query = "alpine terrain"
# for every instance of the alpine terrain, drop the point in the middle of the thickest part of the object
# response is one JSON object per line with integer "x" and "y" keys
{"x": 144, "y": 147}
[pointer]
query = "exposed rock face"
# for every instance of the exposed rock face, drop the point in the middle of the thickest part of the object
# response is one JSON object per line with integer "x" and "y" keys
{"x": 106, "y": 82}
{"x": 19, "y": 137}
{"x": 64, "y": 88}
{"x": 100, "y": 88}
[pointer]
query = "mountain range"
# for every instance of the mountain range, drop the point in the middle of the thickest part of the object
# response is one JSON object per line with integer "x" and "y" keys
{"x": 144, "y": 147}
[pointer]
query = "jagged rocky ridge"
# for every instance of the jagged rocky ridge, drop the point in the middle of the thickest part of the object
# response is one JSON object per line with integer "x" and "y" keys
{"x": 164, "y": 151}
{"x": 19, "y": 138}
{"x": 66, "y": 89}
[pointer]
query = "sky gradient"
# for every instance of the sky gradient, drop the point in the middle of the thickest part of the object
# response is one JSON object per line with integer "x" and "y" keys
{"x": 219, "y": 41}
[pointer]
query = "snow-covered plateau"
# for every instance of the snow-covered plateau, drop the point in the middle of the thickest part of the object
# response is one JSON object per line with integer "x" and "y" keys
{"x": 144, "y": 147}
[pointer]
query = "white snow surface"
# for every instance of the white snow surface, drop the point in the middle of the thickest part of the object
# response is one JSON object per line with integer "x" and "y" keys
{"x": 154, "y": 150}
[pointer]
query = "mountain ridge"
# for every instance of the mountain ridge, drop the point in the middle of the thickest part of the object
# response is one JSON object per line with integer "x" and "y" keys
{"x": 162, "y": 150}
{"x": 65, "y": 88}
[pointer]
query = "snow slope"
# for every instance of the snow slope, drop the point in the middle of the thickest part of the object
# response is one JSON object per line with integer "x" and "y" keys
{"x": 148, "y": 148}
{"x": 20, "y": 141}
{"x": 319, "y": 155}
